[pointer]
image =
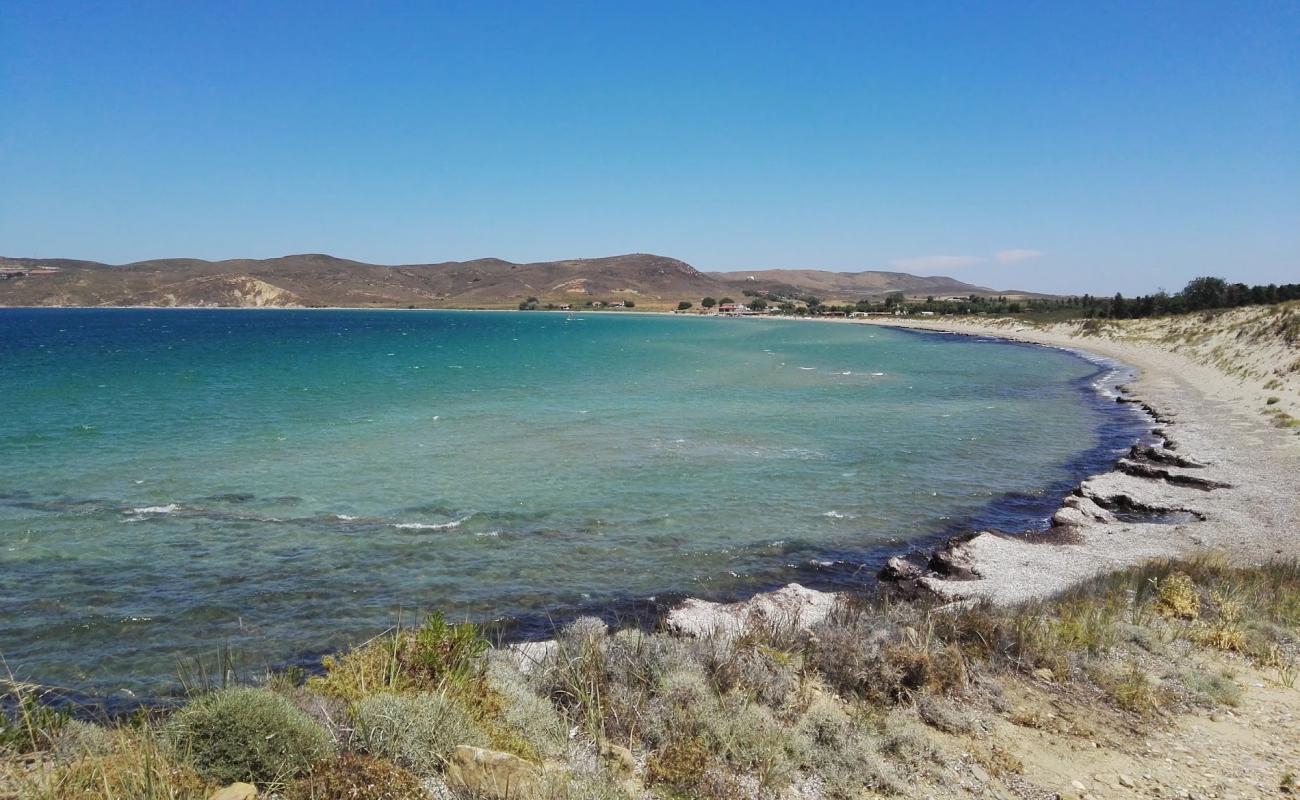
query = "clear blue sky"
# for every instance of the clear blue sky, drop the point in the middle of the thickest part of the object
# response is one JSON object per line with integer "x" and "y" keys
{"x": 1051, "y": 146}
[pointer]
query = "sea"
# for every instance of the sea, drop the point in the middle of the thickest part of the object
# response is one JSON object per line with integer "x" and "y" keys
{"x": 280, "y": 484}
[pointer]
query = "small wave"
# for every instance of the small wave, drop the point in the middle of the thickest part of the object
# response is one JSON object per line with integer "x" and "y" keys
{"x": 838, "y": 515}
{"x": 807, "y": 368}
{"x": 344, "y": 517}
{"x": 170, "y": 508}
{"x": 846, "y": 372}
{"x": 430, "y": 526}
{"x": 877, "y": 374}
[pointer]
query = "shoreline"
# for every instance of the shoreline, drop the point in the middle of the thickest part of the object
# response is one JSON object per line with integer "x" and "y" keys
{"x": 1220, "y": 481}
{"x": 1254, "y": 516}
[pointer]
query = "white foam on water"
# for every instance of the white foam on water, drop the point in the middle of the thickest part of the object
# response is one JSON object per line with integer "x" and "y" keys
{"x": 344, "y": 517}
{"x": 807, "y": 368}
{"x": 838, "y": 515}
{"x": 170, "y": 508}
{"x": 430, "y": 526}
{"x": 881, "y": 374}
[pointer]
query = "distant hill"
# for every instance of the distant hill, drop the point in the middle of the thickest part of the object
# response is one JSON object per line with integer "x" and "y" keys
{"x": 315, "y": 280}
{"x": 853, "y": 285}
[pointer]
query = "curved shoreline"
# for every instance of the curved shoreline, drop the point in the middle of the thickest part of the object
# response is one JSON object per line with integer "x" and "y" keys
{"x": 1252, "y": 516}
{"x": 1225, "y": 478}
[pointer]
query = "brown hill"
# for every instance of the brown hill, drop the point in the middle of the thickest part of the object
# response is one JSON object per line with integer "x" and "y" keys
{"x": 852, "y": 285}
{"x": 321, "y": 280}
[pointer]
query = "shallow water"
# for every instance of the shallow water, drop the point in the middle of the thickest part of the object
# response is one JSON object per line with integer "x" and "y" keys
{"x": 283, "y": 482}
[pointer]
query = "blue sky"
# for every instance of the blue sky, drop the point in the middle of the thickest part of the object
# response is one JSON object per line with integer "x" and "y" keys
{"x": 1050, "y": 146}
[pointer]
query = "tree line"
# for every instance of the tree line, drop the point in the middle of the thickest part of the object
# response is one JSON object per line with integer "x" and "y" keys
{"x": 1200, "y": 294}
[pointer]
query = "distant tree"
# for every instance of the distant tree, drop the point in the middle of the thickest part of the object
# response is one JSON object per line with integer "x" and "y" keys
{"x": 757, "y": 304}
{"x": 725, "y": 301}
{"x": 683, "y": 305}
{"x": 528, "y": 305}
{"x": 708, "y": 302}
{"x": 629, "y": 304}
{"x": 1205, "y": 293}
{"x": 894, "y": 299}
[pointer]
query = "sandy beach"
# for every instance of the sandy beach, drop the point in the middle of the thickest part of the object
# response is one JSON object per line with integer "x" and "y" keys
{"x": 1226, "y": 479}
{"x": 1206, "y": 416}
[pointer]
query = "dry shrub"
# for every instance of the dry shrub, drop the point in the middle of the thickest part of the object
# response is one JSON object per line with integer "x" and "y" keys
{"x": 680, "y": 764}
{"x": 750, "y": 665}
{"x": 1131, "y": 689}
{"x": 943, "y": 715}
{"x": 1212, "y": 689}
{"x": 355, "y": 777}
{"x": 997, "y": 761}
{"x": 909, "y": 745}
{"x": 1176, "y": 597}
{"x": 129, "y": 764}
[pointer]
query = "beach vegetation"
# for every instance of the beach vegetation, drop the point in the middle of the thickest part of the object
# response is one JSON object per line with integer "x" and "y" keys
{"x": 355, "y": 777}
{"x": 708, "y": 302}
{"x": 684, "y": 305}
{"x": 416, "y": 731}
{"x": 882, "y": 697}
{"x": 124, "y": 763}
{"x": 247, "y": 734}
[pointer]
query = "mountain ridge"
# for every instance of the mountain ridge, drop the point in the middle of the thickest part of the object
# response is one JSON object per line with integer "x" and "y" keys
{"x": 322, "y": 280}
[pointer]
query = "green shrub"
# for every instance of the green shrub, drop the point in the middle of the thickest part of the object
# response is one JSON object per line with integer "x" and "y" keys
{"x": 435, "y": 656}
{"x": 418, "y": 731}
{"x": 751, "y": 739}
{"x": 27, "y": 724}
{"x": 532, "y": 719}
{"x": 251, "y": 735}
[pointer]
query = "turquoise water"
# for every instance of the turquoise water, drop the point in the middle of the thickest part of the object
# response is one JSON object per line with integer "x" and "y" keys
{"x": 285, "y": 481}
